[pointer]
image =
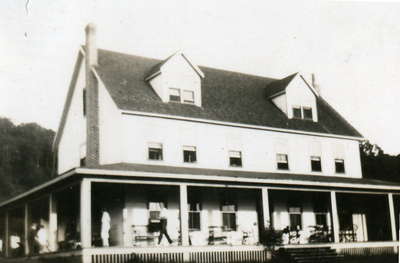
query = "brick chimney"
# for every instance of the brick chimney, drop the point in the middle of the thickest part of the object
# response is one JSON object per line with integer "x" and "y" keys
{"x": 92, "y": 99}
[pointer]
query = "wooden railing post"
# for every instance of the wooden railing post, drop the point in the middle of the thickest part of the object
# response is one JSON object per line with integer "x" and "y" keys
{"x": 335, "y": 218}
{"x": 184, "y": 214}
{"x": 86, "y": 213}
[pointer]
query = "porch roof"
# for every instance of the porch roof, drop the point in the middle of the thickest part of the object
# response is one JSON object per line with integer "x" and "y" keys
{"x": 278, "y": 178}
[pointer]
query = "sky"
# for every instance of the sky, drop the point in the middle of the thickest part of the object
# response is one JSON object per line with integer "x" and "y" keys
{"x": 353, "y": 48}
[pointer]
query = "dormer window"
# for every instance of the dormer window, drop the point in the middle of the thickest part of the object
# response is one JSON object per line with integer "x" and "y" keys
{"x": 188, "y": 96}
{"x": 297, "y": 112}
{"x": 307, "y": 113}
{"x": 304, "y": 113}
{"x": 174, "y": 95}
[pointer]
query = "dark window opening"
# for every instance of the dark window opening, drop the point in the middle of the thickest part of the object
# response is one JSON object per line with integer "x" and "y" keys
{"x": 295, "y": 218}
{"x": 235, "y": 158}
{"x": 320, "y": 219}
{"x": 189, "y": 154}
{"x": 316, "y": 164}
{"x": 307, "y": 113}
{"x": 297, "y": 112}
{"x": 282, "y": 161}
{"x": 84, "y": 102}
{"x": 82, "y": 162}
{"x": 155, "y": 151}
{"x": 339, "y": 166}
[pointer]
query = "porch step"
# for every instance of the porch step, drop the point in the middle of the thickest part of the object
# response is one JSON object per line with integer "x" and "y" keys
{"x": 310, "y": 255}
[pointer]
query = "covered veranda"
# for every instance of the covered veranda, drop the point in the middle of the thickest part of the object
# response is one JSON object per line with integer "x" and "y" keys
{"x": 206, "y": 215}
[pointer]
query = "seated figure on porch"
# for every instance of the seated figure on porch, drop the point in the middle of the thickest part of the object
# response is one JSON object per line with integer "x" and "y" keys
{"x": 42, "y": 239}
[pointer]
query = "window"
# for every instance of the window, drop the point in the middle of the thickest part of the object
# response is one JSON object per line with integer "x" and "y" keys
{"x": 188, "y": 96}
{"x": 307, "y": 113}
{"x": 174, "y": 95}
{"x": 235, "y": 158}
{"x": 84, "y": 102}
{"x": 295, "y": 218}
{"x": 282, "y": 161}
{"x": 297, "y": 112}
{"x": 194, "y": 215}
{"x": 229, "y": 216}
{"x": 320, "y": 219}
{"x": 316, "y": 164}
{"x": 189, "y": 154}
{"x": 155, "y": 208}
{"x": 155, "y": 151}
{"x": 339, "y": 166}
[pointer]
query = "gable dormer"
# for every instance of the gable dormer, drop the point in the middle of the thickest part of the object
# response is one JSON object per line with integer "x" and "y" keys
{"x": 177, "y": 80}
{"x": 296, "y": 97}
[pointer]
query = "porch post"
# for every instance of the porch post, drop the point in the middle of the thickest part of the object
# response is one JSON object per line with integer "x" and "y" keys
{"x": 392, "y": 217}
{"x": 335, "y": 217}
{"x": 52, "y": 223}
{"x": 265, "y": 208}
{"x": 26, "y": 229}
{"x": 184, "y": 215}
{"x": 6, "y": 234}
{"x": 86, "y": 214}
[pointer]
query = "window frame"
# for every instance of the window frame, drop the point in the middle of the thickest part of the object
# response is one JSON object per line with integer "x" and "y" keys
{"x": 184, "y": 100}
{"x": 325, "y": 215}
{"x": 192, "y": 149}
{"x": 278, "y": 167}
{"x": 338, "y": 161}
{"x": 192, "y": 213}
{"x": 304, "y": 108}
{"x": 299, "y": 109}
{"x": 161, "y": 204}
{"x": 155, "y": 146}
{"x": 295, "y": 213}
{"x": 232, "y": 157}
{"x": 320, "y": 163}
{"x": 178, "y": 98}
{"x": 232, "y": 226}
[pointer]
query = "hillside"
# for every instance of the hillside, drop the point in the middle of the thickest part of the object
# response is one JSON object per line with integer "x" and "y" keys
{"x": 26, "y": 159}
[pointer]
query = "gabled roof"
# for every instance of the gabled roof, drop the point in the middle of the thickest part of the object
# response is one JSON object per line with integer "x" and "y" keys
{"x": 226, "y": 96}
{"x": 279, "y": 86}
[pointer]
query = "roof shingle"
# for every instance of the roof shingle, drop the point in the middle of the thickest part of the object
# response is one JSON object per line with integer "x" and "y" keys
{"x": 226, "y": 96}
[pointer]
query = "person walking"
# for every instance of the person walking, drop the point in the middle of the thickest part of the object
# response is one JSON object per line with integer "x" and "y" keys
{"x": 163, "y": 225}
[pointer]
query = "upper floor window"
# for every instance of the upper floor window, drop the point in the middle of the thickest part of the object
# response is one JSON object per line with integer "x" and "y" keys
{"x": 302, "y": 113}
{"x": 174, "y": 95}
{"x": 339, "y": 166}
{"x": 189, "y": 154}
{"x": 316, "y": 164}
{"x": 155, "y": 151}
{"x": 307, "y": 113}
{"x": 296, "y": 112}
{"x": 282, "y": 161}
{"x": 235, "y": 158}
{"x": 194, "y": 215}
{"x": 188, "y": 96}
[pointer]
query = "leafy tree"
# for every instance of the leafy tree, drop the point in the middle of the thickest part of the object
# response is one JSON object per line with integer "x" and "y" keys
{"x": 25, "y": 157}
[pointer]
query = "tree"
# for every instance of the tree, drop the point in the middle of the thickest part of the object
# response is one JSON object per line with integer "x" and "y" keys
{"x": 25, "y": 157}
